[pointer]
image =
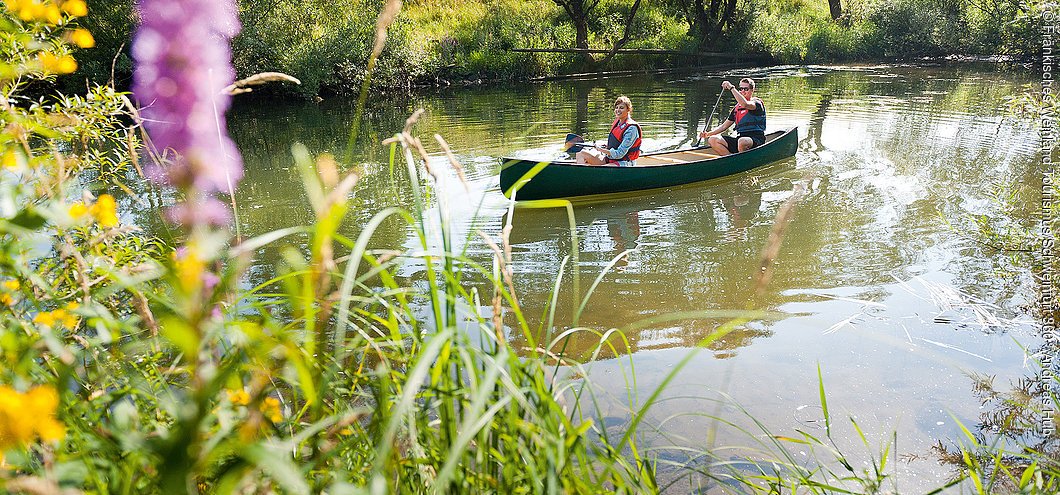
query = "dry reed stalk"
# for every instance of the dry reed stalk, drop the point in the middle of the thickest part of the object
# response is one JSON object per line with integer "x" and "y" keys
{"x": 35, "y": 485}
{"x": 453, "y": 161}
{"x": 411, "y": 121}
{"x": 325, "y": 264}
{"x": 498, "y": 322}
{"x": 506, "y": 234}
{"x": 776, "y": 238}
{"x": 407, "y": 140}
{"x": 382, "y": 23}
{"x": 243, "y": 85}
{"x": 143, "y": 308}
{"x": 505, "y": 264}
{"x": 139, "y": 120}
{"x": 415, "y": 143}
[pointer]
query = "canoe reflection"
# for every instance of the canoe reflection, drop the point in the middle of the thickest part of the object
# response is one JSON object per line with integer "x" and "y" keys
{"x": 688, "y": 251}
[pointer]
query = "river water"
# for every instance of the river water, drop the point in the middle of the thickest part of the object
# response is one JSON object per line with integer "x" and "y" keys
{"x": 878, "y": 283}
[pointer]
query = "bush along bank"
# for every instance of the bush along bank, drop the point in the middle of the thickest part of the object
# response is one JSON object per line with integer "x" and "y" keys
{"x": 447, "y": 42}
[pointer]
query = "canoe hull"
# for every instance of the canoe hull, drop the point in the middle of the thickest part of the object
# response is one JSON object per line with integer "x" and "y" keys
{"x": 530, "y": 180}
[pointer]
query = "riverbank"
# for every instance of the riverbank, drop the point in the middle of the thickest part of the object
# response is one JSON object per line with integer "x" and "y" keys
{"x": 463, "y": 42}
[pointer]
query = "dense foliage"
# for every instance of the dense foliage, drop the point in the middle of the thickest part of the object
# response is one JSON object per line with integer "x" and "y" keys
{"x": 327, "y": 44}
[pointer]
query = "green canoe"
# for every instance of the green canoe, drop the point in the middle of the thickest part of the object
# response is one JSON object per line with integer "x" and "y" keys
{"x": 529, "y": 179}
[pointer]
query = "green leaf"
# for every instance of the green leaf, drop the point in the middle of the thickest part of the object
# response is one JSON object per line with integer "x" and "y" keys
{"x": 181, "y": 335}
{"x": 29, "y": 219}
{"x": 824, "y": 402}
{"x": 1028, "y": 474}
{"x": 277, "y": 466}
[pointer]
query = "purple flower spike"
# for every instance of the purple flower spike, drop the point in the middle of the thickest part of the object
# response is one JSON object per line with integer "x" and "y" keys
{"x": 208, "y": 211}
{"x": 183, "y": 61}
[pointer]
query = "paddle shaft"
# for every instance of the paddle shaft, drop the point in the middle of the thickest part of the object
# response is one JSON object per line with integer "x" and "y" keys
{"x": 711, "y": 118}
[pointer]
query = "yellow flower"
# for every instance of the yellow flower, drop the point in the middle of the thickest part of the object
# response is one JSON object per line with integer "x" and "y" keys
{"x": 59, "y": 316}
{"x": 28, "y": 10}
{"x": 6, "y": 299}
{"x": 69, "y": 320}
{"x": 29, "y": 416}
{"x": 10, "y": 160}
{"x": 189, "y": 268}
{"x": 239, "y": 397}
{"x": 81, "y": 37}
{"x": 46, "y": 318}
{"x": 105, "y": 211}
{"x": 271, "y": 408}
{"x": 42, "y": 402}
{"x": 76, "y": 8}
{"x": 59, "y": 64}
{"x": 39, "y": 10}
{"x": 78, "y": 210}
{"x": 51, "y": 14}
{"x": 347, "y": 431}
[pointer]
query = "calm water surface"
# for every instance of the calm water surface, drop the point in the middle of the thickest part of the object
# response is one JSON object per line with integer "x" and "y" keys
{"x": 875, "y": 282}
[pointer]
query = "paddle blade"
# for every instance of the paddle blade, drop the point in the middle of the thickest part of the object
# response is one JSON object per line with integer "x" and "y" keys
{"x": 572, "y": 141}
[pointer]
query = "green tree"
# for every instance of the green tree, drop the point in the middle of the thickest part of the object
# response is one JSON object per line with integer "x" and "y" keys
{"x": 708, "y": 19}
{"x": 579, "y": 12}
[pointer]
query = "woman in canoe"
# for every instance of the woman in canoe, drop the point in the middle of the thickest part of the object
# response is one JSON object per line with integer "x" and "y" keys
{"x": 623, "y": 142}
{"x": 749, "y": 115}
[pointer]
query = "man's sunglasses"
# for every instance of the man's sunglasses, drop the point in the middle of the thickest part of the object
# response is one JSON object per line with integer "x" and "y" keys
{"x": 744, "y": 88}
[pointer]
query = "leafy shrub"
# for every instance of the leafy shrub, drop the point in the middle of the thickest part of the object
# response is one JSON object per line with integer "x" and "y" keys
{"x": 783, "y": 36}
{"x": 325, "y": 44}
{"x": 1008, "y": 27}
{"x": 905, "y": 28}
{"x": 831, "y": 42}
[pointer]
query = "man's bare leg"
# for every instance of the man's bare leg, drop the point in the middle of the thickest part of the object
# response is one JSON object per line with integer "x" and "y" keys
{"x": 717, "y": 143}
{"x": 744, "y": 144}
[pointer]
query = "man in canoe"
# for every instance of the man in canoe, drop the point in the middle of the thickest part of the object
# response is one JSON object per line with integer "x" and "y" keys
{"x": 749, "y": 115}
{"x": 623, "y": 142}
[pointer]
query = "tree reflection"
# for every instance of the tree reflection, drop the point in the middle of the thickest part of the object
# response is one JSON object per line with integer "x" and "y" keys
{"x": 816, "y": 128}
{"x": 580, "y": 122}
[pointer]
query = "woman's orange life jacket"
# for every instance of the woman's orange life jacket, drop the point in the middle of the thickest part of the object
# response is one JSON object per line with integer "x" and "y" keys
{"x": 614, "y": 139}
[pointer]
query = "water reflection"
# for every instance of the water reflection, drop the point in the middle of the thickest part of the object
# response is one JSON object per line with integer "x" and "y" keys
{"x": 693, "y": 250}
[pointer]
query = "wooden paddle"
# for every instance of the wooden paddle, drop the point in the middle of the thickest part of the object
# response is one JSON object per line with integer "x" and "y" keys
{"x": 710, "y": 119}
